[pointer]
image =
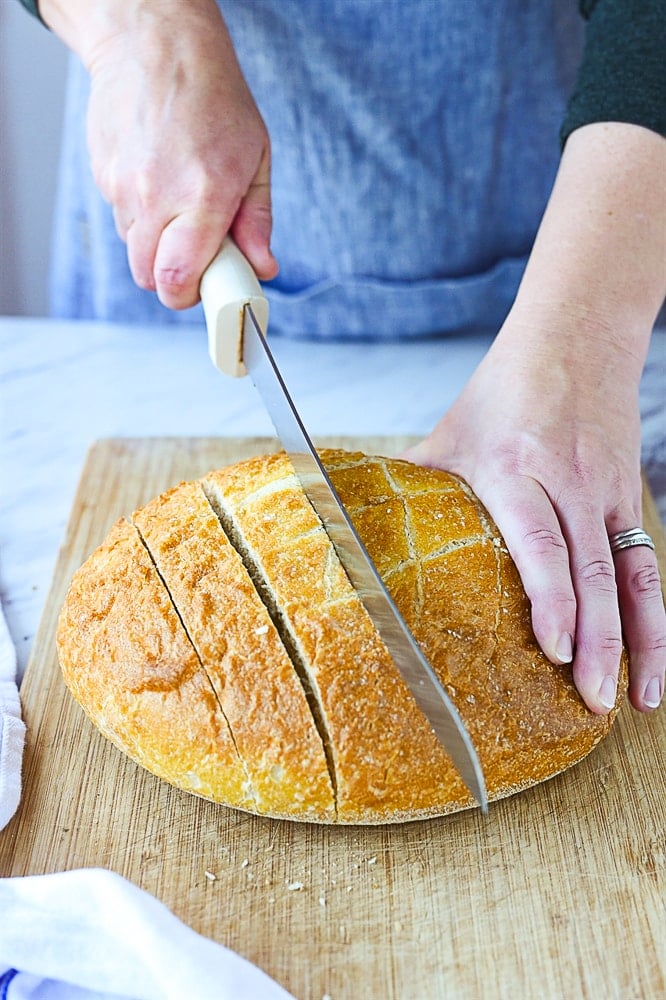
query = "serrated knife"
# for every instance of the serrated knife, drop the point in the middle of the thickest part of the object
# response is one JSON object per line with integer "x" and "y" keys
{"x": 236, "y": 314}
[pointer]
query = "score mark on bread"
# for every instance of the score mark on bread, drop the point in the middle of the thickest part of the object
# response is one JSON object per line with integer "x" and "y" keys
{"x": 216, "y": 640}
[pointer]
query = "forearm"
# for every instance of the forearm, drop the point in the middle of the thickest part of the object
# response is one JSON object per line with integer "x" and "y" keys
{"x": 600, "y": 254}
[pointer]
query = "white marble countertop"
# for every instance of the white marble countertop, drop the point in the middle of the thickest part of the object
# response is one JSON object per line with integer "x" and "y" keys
{"x": 64, "y": 385}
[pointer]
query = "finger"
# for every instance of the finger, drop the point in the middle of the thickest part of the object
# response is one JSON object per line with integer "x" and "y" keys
{"x": 186, "y": 247}
{"x": 142, "y": 238}
{"x": 530, "y": 528}
{"x": 123, "y": 220}
{"x": 598, "y": 638}
{"x": 253, "y": 224}
{"x": 643, "y": 624}
{"x": 418, "y": 453}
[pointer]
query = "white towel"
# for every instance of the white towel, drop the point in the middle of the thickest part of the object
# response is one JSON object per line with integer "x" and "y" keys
{"x": 91, "y": 935}
{"x": 12, "y": 729}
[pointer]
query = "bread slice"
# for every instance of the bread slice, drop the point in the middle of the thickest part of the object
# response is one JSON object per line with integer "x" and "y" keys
{"x": 229, "y": 591}
{"x": 242, "y": 654}
{"x": 385, "y": 756}
{"x": 128, "y": 661}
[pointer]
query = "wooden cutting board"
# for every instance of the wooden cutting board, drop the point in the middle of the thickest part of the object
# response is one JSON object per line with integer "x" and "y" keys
{"x": 559, "y": 892}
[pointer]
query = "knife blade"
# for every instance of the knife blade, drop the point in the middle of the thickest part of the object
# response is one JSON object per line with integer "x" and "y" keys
{"x": 236, "y": 318}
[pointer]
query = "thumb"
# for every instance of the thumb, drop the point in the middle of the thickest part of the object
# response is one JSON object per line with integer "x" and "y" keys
{"x": 253, "y": 223}
{"x": 418, "y": 453}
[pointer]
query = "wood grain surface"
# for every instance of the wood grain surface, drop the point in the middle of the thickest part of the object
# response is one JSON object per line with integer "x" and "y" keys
{"x": 558, "y": 893}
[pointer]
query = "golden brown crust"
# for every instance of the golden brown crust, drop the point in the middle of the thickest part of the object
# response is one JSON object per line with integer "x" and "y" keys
{"x": 241, "y": 651}
{"x": 128, "y": 662}
{"x": 447, "y": 569}
{"x": 463, "y": 600}
{"x": 385, "y": 756}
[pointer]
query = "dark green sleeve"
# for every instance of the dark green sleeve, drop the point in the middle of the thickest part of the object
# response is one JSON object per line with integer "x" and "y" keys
{"x": 32, "y": 6}
{"x": 623, "y": 74}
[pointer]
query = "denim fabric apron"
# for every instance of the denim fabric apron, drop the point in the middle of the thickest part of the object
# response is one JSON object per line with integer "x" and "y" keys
{"x": 414, "y": 143}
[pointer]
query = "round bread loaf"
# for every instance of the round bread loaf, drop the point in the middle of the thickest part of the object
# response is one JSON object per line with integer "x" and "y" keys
{"x": 216, "y": 640}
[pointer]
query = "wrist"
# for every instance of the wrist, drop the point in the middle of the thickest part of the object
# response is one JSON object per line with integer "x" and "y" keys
{"x": 569, "y": 344}
{"x": 88, "y": 28}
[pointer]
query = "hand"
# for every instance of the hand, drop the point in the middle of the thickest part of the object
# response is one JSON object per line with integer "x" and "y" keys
{"x": 547, "y": 431}
{"x": 549, "y": 440}
{"x": 176, "y": 142}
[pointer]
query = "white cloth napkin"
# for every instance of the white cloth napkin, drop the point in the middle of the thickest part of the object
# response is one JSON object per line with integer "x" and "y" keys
{"x": 91, "y": 935}
{"x": 12, "y": 729}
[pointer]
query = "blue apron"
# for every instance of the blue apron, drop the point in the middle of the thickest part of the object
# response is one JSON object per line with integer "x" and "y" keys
{"x": 414, "y": 142}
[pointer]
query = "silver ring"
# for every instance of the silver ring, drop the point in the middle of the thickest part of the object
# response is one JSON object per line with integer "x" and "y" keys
{"x": 629, "y": 538}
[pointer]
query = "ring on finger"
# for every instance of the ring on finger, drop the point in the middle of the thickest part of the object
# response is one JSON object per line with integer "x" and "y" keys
{"x": 629, "y": 539}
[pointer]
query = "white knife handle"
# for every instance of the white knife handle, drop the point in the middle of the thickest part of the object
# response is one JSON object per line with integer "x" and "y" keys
{"x": 227, "y": 286}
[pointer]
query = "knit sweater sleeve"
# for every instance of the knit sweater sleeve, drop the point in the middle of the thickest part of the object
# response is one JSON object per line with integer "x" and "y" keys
{"x": 622, "y": 77}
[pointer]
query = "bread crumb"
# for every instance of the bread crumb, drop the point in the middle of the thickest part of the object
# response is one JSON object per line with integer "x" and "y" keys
{"x": 245, "y": 863}
{"x": 210, "y": 876}
{"x": 322, "y": 901}
{"x": 262, "y": 630}
{"x": 295, "y": 886}
{"x": 372, "y": 861}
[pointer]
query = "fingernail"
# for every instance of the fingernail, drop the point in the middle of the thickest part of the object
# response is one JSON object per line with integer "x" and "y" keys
{"x": 564, "y": 648}
{"x": 652, "y": 693}
{"x": 607, "y": 691}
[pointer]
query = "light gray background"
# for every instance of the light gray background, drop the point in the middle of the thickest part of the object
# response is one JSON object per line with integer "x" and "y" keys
{"x": 32, "y": 81}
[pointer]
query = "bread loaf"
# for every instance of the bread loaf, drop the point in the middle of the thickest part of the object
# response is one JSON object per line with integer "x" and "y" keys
{"x": 215, "y": 638}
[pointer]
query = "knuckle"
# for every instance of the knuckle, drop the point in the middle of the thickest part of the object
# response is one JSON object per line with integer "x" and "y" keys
{"x": 600, "y": 574}
{"x": 646, "y": 582}
{"x": 544, "y": 541}
{"x": 207, "y": 189}
{"x": 109, "y": 183}
{"x": 262, "y": 216}
{"x": 652, "y": 646}
{"x": 611, "y": 643}
{"x": 147, "y": 189}
{"x": 515, "y": 457}
{"x": 199, "y": 188}
{"x": 658, "y": 645}
{"x": 566, "y": 604}
{"x": 175, "y": 278}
